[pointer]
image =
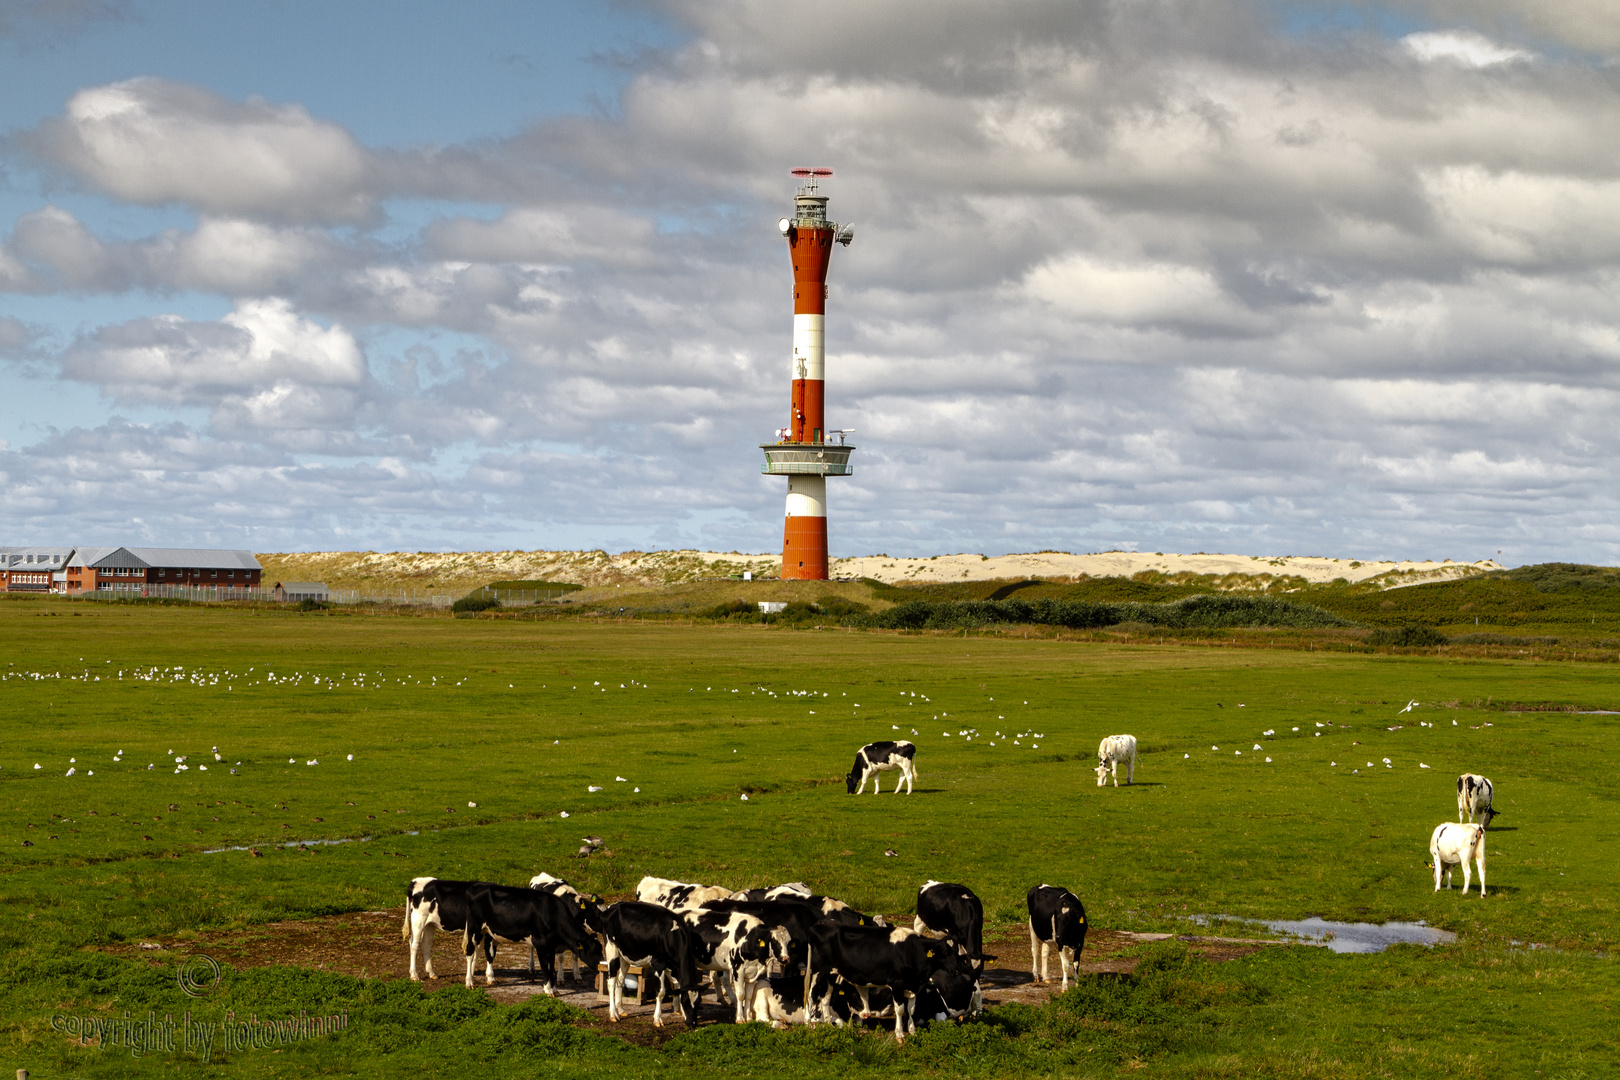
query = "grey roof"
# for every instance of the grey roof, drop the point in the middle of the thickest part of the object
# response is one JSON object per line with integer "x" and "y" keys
{"x": 199, "y": 558}
{"x": 53, "y": 557}
{"x": 185, "y": 558}
{"x": 90, "y": 556}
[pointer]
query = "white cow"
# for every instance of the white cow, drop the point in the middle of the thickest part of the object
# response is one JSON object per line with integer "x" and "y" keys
{"x": 1110, "y": 752}
{"x": 1453, "y": 845}
{"x": 1474, "y": 794}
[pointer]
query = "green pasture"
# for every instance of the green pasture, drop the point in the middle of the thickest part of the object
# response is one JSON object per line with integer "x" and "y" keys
{"x": 523, "y": 717}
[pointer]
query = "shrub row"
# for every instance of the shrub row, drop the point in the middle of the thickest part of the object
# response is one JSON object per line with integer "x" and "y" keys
{"x": 1195, "y": 612}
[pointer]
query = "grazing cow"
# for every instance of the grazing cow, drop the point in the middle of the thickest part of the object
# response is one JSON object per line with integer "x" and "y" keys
{"x": 678, "y": 895}
{"x": 869, "y": 957}
{"x": 661, "y": 944}
{"x": 880, "y": 757}
{"x": 1474, "y": 794}
{"x": 954, "y": 911}
{"x": 737, "y": 946}
{"x": 1110, "y": 752}
{"x": 557, "y": 887}
{"x": 546, "y": 922}
{"x": 1057, "y": 920}
{"x": 1451, "y": 845}
{"x": 436, "y": 904}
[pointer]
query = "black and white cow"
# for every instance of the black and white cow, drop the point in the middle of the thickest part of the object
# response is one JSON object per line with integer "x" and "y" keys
{"x": 779, "y": 1000}
{"x": 953, "y": 910}
{"x": 546, "y": 922}
{"x": 677, "y": 895}
{"x": 1057, "y": 921}
{"x": 776, "y": 892}
{"x": 737, "y": 946}
{"x": 558, "y": 887}
{"x": 1111, "y": 753}
{"x": 880, "y": 757}
{"x": 433, "y": 904}
{"x": 1474, "y": 794}
{"x": 659, "y": 942}
{"x": 869, "y": 957}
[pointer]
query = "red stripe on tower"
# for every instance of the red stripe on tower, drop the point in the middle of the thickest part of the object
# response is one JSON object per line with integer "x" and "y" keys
{"x": 804, "y": 452}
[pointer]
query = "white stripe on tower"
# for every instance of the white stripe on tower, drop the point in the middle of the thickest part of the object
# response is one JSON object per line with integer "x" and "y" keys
{"x": 809, "y": 357}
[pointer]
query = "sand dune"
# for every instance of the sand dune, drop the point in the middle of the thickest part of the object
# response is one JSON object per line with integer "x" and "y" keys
{"x": 454, "y": 570}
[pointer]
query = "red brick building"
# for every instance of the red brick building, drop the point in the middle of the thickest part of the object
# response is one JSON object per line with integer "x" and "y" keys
{"x": 132, "y": 569}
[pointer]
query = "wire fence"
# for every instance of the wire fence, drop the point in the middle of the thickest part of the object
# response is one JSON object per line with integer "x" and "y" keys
{"x": 429, "y": 598}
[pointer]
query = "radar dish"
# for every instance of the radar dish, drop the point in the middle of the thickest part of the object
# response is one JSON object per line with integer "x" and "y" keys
{"x": 804, "y": 171}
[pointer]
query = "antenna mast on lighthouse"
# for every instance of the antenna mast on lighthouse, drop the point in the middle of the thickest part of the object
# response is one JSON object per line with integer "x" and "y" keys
{"x": 804, "y": 451}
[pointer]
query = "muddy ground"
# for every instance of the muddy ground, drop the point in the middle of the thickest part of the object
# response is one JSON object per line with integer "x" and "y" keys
{"x": 368, "y": 944}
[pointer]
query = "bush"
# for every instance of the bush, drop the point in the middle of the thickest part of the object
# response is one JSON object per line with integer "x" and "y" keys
{"x": 1407, "y": 636}
{"x": 731, "y": 609}
{"x": 474, "y": 603}
{"x": 309, "y": 603}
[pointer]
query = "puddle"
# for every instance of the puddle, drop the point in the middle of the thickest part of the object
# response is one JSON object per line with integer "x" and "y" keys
{"x": 1343, "y": 937}
{"x": 292, "y": 843}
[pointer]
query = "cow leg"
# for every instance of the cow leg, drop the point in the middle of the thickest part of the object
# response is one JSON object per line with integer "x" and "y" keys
{"x": 1130, "y": 770}
{"x": 1479, "y": 860}
{"x": 489, "y": 958}
{"x": 903, "y": 1003}
{"x": 1468, "y": 873}
{"x": 1034, "y": 952}
{"x": 614, "y": 982}
{"x": 1066, "y": 960}
{"x": 658, "y": 998}
{"x": 877, "y": 782}
{"x": 470, "y": 942}
{"x": 425, "y": 947}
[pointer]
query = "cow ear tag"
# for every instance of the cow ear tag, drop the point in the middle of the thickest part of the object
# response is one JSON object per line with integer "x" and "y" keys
{"x": 930, "y": 953}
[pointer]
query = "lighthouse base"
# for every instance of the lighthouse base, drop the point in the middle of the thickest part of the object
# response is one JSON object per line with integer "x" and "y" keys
{"x": 804, "y": 530}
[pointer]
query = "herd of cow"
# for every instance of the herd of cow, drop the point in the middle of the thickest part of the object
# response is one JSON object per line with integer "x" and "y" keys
{"x": 833, "y": 964}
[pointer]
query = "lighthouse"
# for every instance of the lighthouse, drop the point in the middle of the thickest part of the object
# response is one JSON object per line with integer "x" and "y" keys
{"x": 806, "y": 451}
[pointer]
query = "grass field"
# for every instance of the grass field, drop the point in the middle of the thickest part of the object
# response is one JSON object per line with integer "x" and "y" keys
{"x": 523, "y": 717}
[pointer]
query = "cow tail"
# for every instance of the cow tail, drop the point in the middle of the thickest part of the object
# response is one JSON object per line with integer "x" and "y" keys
{"x": 405, "y": 931}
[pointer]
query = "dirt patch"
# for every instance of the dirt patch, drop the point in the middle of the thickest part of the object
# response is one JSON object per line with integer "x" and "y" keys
{"x": 367, "y": 944}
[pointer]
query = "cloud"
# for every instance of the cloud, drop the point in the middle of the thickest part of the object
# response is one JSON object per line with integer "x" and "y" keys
{"x": 153, "y": 142}
{"x": 1148, "y": 274}
{"x": 1461, "y": 46}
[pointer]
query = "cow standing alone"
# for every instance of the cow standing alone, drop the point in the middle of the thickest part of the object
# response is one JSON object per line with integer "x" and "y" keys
{"x": 1474, "y": 794}
{"x": 1110, "y": 752}
{"x": 880, "y": 757}
{"x": 1057, "y": 920}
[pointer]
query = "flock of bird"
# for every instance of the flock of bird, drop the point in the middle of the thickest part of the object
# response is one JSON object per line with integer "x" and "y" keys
{"x": 256, "y": 676}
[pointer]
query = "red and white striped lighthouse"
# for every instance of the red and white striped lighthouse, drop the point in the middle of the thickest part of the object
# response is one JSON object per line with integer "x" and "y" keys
{"x": 804, "y": 451}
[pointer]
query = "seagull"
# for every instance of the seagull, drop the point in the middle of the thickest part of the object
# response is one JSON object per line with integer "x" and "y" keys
{"x": 1410, "y": 705}
{"x": 472, "y": 805}
{"x": 594, "y": 842}
{"x": 745, "y": 797}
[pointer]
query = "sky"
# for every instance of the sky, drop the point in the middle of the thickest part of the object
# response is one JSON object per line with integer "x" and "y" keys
{"x": 1242, "y": 276}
